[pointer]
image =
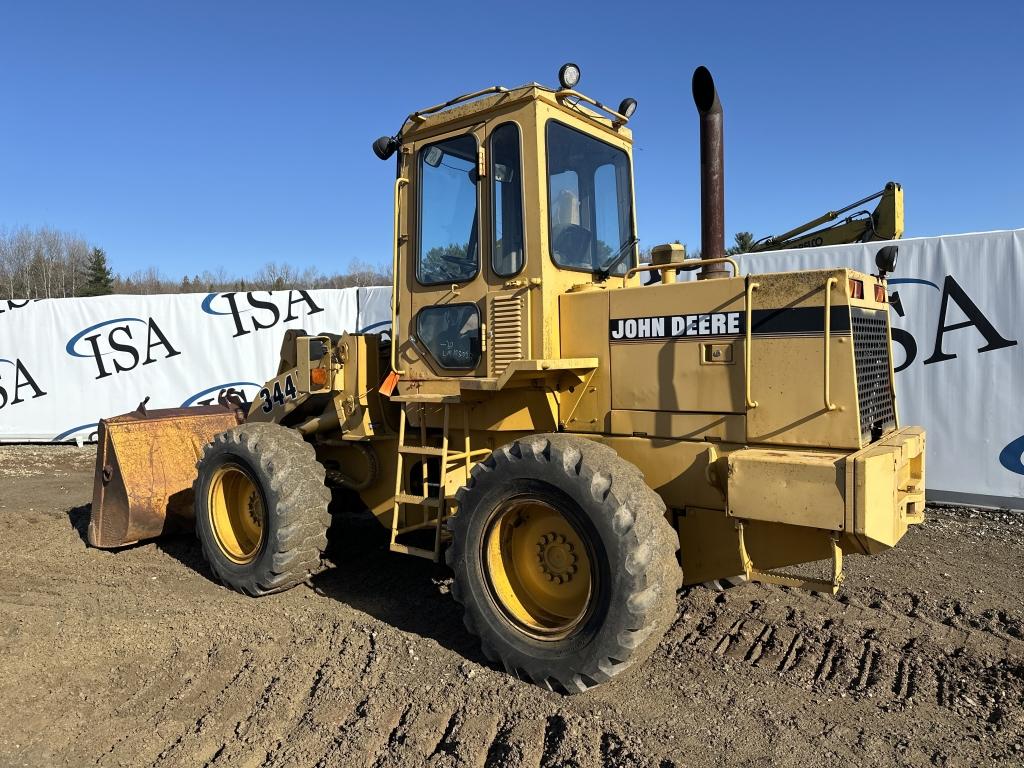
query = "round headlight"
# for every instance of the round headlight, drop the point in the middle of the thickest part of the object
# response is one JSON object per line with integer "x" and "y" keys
{"x": 569, "y": 75}
{"x": 627, "y": 107}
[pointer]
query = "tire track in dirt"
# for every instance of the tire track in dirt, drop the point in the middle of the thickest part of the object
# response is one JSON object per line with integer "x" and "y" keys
{"x": 243, "y": 728}
{"x": 333, "y": 696}
{"x": 467, "y": 740}
{"x": 852, "y": 650}
{"x": 192, "y": 676}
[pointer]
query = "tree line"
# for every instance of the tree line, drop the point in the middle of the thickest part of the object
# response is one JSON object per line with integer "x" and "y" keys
{"x": 47, "y": 263}
{"x": 42, "y": 263}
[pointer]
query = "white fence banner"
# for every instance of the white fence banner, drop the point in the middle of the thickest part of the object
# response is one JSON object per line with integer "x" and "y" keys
{"x": 959, "y": 353}
{"x": 67, "y": 363}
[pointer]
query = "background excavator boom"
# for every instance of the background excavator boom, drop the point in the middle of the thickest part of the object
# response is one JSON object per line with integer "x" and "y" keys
{"x": 884, "y": 223}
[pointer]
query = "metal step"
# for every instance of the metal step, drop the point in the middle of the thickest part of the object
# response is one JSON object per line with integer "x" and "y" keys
{"x": 426, "y": 399}
{"x": 421, "y": 450}
{"x": 405, "y": 549}
{"x": 423, "y": 501}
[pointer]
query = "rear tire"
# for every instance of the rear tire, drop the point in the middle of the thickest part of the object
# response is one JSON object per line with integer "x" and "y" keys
{"x": 261, "y": 508}
{"x": 577, "y": 605}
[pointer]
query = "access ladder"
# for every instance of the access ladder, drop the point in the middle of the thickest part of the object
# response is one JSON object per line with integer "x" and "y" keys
{"x": 436, "y": 506}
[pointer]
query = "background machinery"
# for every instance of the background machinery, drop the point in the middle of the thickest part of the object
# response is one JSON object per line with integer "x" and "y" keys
{"x": 885, "y": 222}
{"x": 575, "y": 445}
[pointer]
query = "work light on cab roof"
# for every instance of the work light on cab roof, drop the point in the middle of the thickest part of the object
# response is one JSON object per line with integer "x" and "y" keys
{"x": 569, "y": 75}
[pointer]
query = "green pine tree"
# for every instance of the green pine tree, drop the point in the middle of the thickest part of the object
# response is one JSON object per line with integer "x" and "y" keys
{"x": 743, "y": 242}
{"x": 99, "y": 280}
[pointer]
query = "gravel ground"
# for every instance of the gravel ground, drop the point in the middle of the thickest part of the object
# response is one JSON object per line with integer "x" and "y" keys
{"x": 139, "y": 658}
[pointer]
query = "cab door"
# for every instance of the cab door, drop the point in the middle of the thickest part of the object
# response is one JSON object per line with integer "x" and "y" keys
{"x": 507, "y": 309}
{"x": 442, "y": 285}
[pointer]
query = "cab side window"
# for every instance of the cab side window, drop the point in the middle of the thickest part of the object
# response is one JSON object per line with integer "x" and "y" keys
{"x": 507, "y": 256}
{"x": 448, "y": 230}
{"x": 451, "y": 334}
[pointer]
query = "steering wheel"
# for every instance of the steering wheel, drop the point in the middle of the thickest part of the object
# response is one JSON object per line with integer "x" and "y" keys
{"x": 572, "y": 245}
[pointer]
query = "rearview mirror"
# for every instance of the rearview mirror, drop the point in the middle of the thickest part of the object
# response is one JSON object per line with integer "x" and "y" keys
{"x": 433, "y": 156}
{"x": 503, "y": 173}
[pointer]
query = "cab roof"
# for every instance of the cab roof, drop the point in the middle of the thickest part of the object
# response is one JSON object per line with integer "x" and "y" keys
{"x": 471, "y": 107}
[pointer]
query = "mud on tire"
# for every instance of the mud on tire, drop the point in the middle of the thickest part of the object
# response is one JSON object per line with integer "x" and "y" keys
{"x": 290, "y": 482}
{"x": 631, "y": 546}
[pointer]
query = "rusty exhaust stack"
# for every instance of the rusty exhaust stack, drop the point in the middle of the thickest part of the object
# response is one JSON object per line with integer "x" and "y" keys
{"x": 712, "y": 173}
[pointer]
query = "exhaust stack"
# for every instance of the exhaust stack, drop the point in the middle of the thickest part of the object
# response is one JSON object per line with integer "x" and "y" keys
{"x": 712, "y": 173}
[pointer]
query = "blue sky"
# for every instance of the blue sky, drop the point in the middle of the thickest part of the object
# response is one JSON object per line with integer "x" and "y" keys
{"x": 192, "y": 135}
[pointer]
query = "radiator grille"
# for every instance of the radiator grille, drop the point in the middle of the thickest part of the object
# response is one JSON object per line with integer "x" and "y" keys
{"x": 506, "y": 332}
{"x": 874, "y": 388}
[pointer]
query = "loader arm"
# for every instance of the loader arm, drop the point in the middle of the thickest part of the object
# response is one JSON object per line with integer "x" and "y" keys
{"x": 885, "y": 222}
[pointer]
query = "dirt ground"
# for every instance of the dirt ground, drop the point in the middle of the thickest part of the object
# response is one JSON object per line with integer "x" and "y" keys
{"x": 138, "y": 658}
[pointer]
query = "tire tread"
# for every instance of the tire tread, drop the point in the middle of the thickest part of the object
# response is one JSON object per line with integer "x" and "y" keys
{"x": 286, "y": 464}
{"x": 637, "y": 518}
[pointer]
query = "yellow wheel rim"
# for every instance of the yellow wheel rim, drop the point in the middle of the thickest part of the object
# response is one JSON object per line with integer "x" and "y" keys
{"x": 539, "y": 568}
{"x": 237, "y": 512}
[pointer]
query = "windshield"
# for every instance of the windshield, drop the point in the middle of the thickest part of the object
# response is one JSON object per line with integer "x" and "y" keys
{"x": 590, "y": 208}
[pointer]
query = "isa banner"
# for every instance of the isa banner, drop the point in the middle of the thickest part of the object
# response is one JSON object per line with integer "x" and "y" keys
{"x": 67, "y": 363}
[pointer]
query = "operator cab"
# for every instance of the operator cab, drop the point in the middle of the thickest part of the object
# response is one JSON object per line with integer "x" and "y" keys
{"x": 504, "y": 199}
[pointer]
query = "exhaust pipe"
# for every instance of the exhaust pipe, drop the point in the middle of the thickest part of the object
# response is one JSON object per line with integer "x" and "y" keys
{"x": 712, "y": 173}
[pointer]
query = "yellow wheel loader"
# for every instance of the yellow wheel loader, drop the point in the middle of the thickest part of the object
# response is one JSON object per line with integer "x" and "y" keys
{"x": 575, "y": 445}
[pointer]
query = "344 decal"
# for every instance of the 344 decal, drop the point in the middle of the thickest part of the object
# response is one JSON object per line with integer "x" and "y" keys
{"x": 272, "y": 399}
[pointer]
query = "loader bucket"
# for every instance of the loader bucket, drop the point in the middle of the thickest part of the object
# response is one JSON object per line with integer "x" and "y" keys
{"x": 145, "y": 467}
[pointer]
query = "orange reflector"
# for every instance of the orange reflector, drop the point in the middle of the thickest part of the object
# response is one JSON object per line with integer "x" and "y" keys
{"x": 856, "y": 289}
{"x": 880, "y": 296}
{"x": 318, "y": 377}
{"x": 388, "y": 385}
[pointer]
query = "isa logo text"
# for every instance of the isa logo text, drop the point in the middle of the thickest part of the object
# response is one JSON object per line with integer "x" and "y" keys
{"x": 252, "y": 313}
{"x": 121, "y": 344}
{"x": 16, "y": 383}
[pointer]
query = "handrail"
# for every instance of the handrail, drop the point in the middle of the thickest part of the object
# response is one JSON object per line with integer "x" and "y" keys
{"x": 421, "y": 115}
{"x": 751, "y": 287}
{"x": 617, "y": 117}
{"x": 689, "y": 265}
{"x": 399, "y": 183}
{"x": 829, "y": 405}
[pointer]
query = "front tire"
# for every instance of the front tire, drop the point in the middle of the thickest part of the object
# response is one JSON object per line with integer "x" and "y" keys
{"x": 261, "y": 508}
{"x": 564, "y": 563}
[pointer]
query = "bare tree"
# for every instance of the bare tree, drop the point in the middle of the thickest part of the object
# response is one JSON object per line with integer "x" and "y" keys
{"x": 49, "y": 263}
